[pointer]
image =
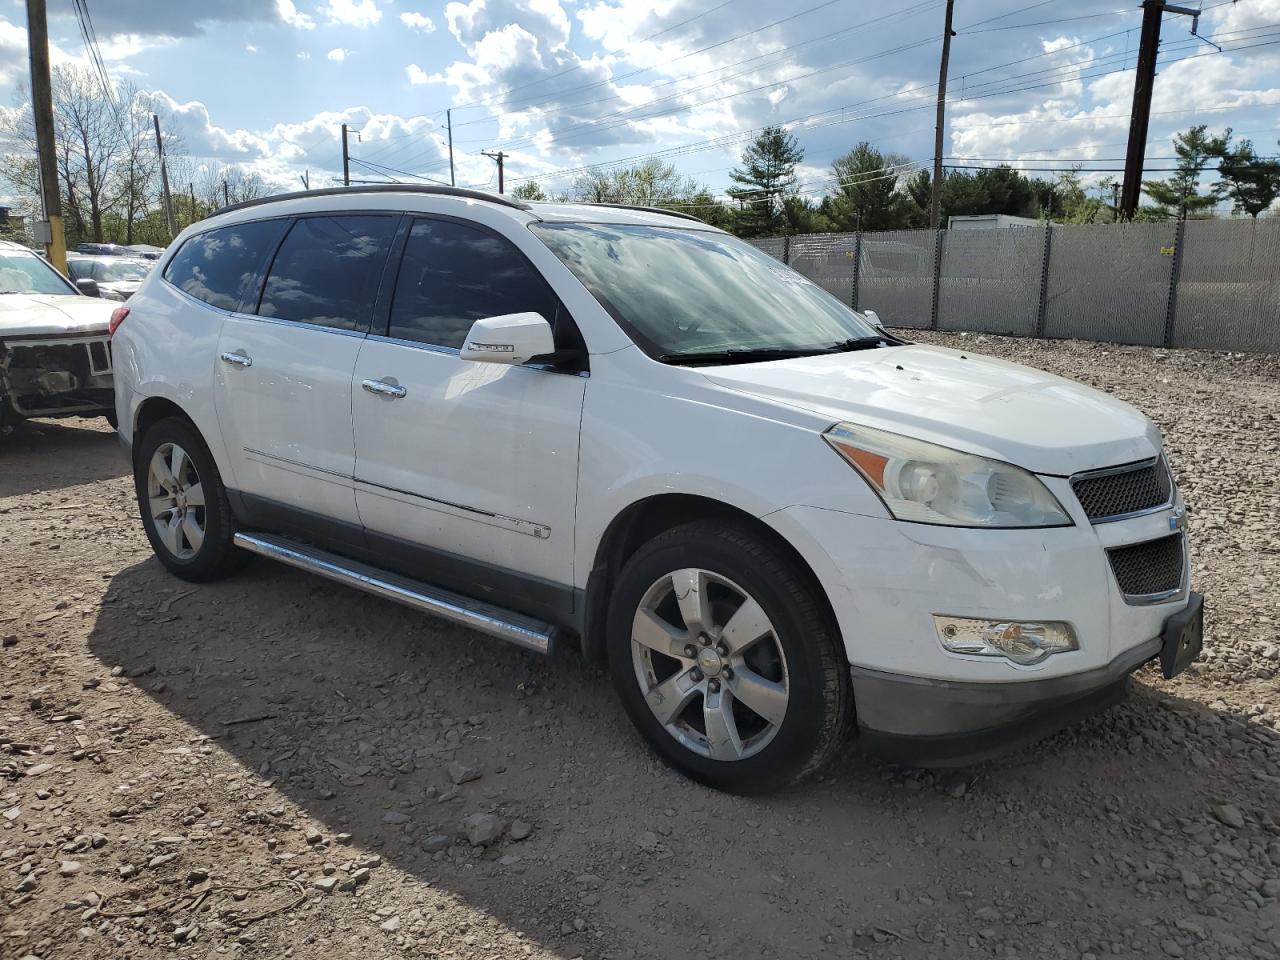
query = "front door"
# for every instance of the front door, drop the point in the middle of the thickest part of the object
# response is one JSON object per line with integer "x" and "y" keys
{"x": 283, "y": 385}
{"x": 475, "y": 462}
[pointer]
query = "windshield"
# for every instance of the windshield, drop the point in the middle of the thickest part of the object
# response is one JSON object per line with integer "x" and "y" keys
{"x": 27, "y": 273}
{"x": 679, "y": 292}
{"x": 123, "y": 270}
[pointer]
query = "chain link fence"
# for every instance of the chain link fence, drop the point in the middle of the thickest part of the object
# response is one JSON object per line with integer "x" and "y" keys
{"x": 1212, "y": 284}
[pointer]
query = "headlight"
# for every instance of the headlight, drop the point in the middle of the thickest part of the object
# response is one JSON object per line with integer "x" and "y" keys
{"x": 925, "y": 483}
{"x": 1022, "y": 642}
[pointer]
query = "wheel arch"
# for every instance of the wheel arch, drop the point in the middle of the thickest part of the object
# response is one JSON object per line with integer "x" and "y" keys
{"x": 645, "y": 519}
{"x": 152, "y": 410}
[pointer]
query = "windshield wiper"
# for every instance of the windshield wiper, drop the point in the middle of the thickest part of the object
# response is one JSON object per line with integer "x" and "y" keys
{"x": 753, "y": 354}
{"x": 740, "y": 355}
{"x": 860, "y": 343}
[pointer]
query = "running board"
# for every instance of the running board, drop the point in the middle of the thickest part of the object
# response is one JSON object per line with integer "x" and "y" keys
{"x": 506, "y": 625}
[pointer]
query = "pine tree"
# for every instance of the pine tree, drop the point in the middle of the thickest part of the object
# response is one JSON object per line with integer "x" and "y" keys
{"x": 1252, "y": 183}
{"x": 1180, "y": 194}
{"x": 767, "y": 175}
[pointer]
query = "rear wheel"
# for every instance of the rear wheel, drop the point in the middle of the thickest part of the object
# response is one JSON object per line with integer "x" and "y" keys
{"x": 183, "y": 502}
{"x": 726, "y": 660}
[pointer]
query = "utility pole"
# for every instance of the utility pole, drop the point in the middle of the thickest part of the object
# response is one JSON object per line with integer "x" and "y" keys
{"x": 935, "y": 192}
{"x": 346, "y": 160}
{"x": 499, "y": 156}
{"x": 226, "y": 194}
{"x": 1143, "y": 86}
{"x": 448, "y": 119}
{"x": 306, "y": 179}
{"x": 42, "y": 106}
{"x": 164, "y": 179}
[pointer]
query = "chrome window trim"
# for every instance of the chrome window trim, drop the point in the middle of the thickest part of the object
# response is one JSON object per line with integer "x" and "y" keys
{"x": 455, "y": 352}
{"x": 1125, "y": 468}
{"x": 300, "y": 324}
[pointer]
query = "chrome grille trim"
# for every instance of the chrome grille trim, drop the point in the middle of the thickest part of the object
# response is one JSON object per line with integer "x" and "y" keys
{"x": 1124, "y": 491}
{"x": 1151, "y": 571}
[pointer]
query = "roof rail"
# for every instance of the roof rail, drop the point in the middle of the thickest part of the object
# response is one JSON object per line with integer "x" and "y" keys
{"x": 644, "y": 209}
{"x": 445, "y": 191}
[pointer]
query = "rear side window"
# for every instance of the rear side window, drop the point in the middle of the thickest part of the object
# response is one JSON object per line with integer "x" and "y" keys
{"x": 224, "y": 267}
{"x": 452, "y": 275}
{"x": 327, "y": 271}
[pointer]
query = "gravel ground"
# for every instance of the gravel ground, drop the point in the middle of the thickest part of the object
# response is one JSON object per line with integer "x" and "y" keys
{"x": 276, "y": 767}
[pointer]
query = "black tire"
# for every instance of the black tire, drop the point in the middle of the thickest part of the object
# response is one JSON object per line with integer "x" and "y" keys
{"x": 819, "y": 706}
{"x": 217, "y": 556}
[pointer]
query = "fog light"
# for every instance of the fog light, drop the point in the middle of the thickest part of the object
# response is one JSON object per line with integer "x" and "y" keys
{"x": 1023, "y": 642}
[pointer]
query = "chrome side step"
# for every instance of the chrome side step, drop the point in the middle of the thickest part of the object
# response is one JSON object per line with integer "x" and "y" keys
{"x": 506, "y": 625}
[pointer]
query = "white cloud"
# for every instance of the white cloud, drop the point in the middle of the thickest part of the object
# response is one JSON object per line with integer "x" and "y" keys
{"x": 418, "y": 76}
{"x": 287, "y": 12}
{"x": 352, "y": 13}
{"x": 418, "y": 21}
{"x": 250, "y": 48}
{"x": 201, "y": 136}
{"x": 303, "y": 55}
{"x": 338, "y": 55}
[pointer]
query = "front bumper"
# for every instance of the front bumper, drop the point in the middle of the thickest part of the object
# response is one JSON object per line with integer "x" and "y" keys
{"x": 944, "y": 723}
{"x": 919, "y": 702}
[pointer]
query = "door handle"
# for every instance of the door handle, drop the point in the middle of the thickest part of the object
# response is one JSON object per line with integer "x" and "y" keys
{"x": 238, "y": 359}
{"x": 384, "y": 389}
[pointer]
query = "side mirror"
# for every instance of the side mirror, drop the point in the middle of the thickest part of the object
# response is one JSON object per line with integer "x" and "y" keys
{"x": 511, "y": 338}
{"x": 873, "y": 318}
{"x": 88, "y": 286}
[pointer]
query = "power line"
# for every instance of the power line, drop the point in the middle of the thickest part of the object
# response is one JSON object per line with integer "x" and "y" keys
{"x": 683, "y": 56}
{"x": 608, "y": 123}
{"x": 780, "y": 53}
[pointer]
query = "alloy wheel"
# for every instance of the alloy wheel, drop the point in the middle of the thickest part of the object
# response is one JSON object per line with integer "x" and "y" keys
{"x": 175, "y": 498}
{"x": 709, "y": 664}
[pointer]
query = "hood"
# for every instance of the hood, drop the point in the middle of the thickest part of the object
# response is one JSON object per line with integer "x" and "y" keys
{"x": 980, "y": 405}
{"x": 23, "y": 314}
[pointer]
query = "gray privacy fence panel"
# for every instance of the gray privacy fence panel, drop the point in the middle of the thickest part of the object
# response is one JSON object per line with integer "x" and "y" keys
{"x": 896, "y": 276}
{"x": 775, "y": 247}
{"x": 1110, "y": 282}
{"x": 1228, "y": 295}
{"x": 990, "y": 280}
{"x": 828, "y": 260}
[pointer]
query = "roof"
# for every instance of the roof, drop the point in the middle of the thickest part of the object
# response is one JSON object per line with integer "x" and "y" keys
{"x": 10, "y": 245}
{"x": 562, "y": 212}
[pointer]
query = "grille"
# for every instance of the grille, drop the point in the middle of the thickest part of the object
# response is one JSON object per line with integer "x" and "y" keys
{"x": 1151, "y": 567}
{"x": 1109, "y": 494}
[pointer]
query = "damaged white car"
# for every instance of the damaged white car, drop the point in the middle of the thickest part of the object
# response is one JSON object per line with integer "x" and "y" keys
{"x": 55, "y": 347}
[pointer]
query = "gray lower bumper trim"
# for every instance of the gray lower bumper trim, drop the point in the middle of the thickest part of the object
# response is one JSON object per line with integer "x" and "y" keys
{"x": 905, "y": 706}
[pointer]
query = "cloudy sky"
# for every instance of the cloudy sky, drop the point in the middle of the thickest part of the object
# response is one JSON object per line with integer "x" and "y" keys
{"x": 560, "y": 84}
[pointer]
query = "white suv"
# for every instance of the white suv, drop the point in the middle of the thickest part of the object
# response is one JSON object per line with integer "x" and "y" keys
{"x": 624, "y": 431}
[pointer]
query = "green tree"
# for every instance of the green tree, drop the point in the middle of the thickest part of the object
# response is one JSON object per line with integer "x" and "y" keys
{"x": 1251, "y": 182}
{"x": 767, "y": 175}
{"x": 1180, "y": 194}
{"x": 867, "y": 195}
{"x": 529, "y": 190}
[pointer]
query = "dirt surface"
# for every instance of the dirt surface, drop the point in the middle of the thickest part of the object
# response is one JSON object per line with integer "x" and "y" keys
{"x": 164, "y": 746}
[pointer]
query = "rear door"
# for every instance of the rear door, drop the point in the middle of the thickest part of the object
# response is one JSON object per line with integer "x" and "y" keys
{"x": 285, "y": 359}
{"x": 466, "y": 472}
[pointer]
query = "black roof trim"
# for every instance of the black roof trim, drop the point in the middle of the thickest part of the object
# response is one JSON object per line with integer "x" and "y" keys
{"x": 382, "y": 188}
{"x": 643, "y": 209}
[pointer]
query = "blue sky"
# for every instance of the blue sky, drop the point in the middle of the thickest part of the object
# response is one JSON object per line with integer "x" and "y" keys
{"x": 561, "y": 84}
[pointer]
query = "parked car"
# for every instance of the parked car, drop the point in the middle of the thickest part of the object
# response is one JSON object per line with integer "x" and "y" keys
{"x": 103, "y": 249}
{"x": 627, "y": 432}
{"x": 55, "y": 352}
{"x": 144, "y": 251}
{"x": 117, "y": 278}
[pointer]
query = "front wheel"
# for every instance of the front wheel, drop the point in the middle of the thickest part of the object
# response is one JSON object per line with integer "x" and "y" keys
{"x": 183, "y": 503}
{"x": 726, "y": 659}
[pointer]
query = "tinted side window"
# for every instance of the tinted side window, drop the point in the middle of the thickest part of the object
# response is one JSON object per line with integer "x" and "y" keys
{"x": 327, "y": 271}
{"x": 224, "y": 267}
{"x": 452, "y": 275}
